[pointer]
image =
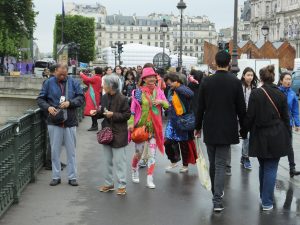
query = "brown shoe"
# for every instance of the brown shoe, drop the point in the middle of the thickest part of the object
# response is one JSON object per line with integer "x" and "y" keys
{"x": 121, "y": 191}
{"x": 106, "y": 188}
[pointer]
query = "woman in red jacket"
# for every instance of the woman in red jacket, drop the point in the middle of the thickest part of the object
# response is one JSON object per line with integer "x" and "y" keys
{"x": 92, "y": 95}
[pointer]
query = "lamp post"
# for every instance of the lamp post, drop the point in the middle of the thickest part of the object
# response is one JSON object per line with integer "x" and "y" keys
{"x": 221, "y": 40}
{"x": 114, "y": 51}
{"x": 164, "y": 29}
{"x": 181, "y": 6}
{"x": 234, "y": 64}
{"x": 265, "y": 31}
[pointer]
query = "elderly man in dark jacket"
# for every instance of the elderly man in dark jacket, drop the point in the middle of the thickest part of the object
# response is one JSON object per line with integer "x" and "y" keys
{"x": 221, "y": 104}
{"x": 62, "y": 94}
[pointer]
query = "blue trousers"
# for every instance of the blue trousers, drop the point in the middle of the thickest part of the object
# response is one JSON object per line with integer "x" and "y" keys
{"x": 60, "y": 136}
{"x": 267, "y": 179}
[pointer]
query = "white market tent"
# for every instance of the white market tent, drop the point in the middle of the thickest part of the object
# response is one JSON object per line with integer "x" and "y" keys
{"x": 133, "y": 55}
{"x": 187, "y": 61}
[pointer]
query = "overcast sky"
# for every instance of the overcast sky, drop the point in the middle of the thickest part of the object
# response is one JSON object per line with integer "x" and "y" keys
{"x": 219, "y": 11}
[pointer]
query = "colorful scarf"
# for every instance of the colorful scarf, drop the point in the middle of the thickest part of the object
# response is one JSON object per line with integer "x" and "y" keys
{"x": 155, "y": 114}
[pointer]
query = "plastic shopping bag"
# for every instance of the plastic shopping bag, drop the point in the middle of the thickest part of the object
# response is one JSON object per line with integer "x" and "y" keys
{"x": 203, "y": 171}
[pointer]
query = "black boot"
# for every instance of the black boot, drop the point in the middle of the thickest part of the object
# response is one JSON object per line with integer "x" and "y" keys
{"x": 93, "y": 128}
{"x": 293, "y": 172}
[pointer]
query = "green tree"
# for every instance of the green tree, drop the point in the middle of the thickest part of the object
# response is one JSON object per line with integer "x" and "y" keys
{"x": 78, "y": 29}
{"x": 17, "y": 21}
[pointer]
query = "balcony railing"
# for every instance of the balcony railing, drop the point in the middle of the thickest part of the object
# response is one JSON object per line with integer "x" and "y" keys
{"x": 23, "y": 146}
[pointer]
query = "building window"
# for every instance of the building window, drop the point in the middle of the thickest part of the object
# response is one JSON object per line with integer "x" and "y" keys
{"x": 149, "y": 37}
{"x": 125, "y": 36}
{"x": 125, "y": 28}
{"x": 191, "y": 41}
{"x": 197, "y": 55}
{"x": 168, "y": 44}
{"x": 155, "y": 29}
{"x": 161, "y": 44}
{"x": 168, "y": 37}
{"x": 149, "y": 43}
{"x": 131, "y": 28}
{"x": 131, "y": 42}
{"x": 161, "y": 37}
{"x": 119, "y": 28}
{"x": 156, "y": 36}
{"x": 110, "y": 35}
{"x": 141, "y": 36}
{"x": 141, "y": 42}
{"x": 125, "y": 42}
{"x": 149, "y": 29}
{"x": 110, "y": 43}
{"x": 99, "y": 42}
{"x": 156, "y": 44}
{"x": 191, "y": 54}
{"x": 131, "y": 36}
{"x": 119, "y": 36}
{"x": 197, "y": 48}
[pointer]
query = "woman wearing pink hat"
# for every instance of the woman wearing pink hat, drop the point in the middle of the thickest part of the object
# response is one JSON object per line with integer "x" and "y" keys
{"x": 146, "y": 109}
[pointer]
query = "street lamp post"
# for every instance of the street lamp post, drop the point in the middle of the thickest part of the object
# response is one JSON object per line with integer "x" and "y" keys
{"x": 181, "y": 6}
{"x": 164, "y": 29}
{"x": 234, "y": 65}
{"x": 265, "y": 31}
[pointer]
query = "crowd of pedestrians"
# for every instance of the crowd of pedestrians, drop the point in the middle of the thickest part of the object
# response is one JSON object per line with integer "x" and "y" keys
{"x": 132, "y": 103}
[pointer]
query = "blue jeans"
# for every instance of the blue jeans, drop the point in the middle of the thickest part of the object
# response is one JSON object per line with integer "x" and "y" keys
{"x": 267, "y": 179}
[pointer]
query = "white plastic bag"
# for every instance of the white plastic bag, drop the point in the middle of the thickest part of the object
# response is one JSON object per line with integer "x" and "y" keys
{"x": 203, "y": 171}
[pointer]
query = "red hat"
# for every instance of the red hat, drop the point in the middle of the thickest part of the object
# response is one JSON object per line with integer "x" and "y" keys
{"x": 148, "y": 72}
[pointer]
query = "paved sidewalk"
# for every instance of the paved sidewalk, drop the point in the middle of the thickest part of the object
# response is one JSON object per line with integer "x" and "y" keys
{"x": 178, "y": 199}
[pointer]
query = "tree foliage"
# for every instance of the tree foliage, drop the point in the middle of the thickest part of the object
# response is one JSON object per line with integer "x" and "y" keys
{"x": 17, "y": 21}
{"x": 78, "y": 29}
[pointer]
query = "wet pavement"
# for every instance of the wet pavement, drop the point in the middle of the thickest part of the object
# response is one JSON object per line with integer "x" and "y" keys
{"x": 178, "y": 199}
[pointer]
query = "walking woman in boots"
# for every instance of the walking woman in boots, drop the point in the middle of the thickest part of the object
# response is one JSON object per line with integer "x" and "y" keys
{"x": 146, "y": 121}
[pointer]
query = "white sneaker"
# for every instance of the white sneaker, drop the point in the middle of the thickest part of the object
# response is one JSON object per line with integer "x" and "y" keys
{"x": 150, "y": 183}
{"x": 171, "y": 167}
{"x": 184, "y": 169}
{"x": 135, "y": 176}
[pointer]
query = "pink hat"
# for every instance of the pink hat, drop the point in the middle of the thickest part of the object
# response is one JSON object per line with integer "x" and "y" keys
{"x": 148, "y": 72}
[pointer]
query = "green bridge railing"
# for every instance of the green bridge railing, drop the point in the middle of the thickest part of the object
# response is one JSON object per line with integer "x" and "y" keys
{"x": 23, "y": 146}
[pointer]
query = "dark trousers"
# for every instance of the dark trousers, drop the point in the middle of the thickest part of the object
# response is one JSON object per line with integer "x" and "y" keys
{"x": 267, "y": 179}
{"x": 94, "y": 121}
{"x": 291, "y": 156}
{"x": 173, "y": 149}
{"x": 218, "y": 156}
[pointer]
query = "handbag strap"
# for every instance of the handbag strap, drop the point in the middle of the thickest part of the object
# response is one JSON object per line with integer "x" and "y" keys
{"x": 272, "y": 102}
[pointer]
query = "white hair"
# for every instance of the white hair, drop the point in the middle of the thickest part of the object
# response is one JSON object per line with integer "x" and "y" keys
{"x": 112, "y": 81}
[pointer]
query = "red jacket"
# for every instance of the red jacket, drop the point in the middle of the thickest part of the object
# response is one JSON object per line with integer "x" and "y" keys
{"x": 96, "y": 82}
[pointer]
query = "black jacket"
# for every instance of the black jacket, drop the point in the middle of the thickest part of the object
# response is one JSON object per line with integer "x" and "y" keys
{"x": 270, "y": 135}
{"x": 117, "y": 104}
{"x": 220, "y": 104}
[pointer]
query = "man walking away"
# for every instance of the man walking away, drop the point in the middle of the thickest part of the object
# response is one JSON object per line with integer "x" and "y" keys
{"x": 62, "y": 93}
{"x": 221, "y": 104}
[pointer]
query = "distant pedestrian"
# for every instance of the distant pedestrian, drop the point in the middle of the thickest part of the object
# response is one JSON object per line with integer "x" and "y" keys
{"x": 129, "y": 85}
{"x": 292, "y": 99}
{"x": 60, "y": 96}
{"x": 92, "y": 95}
{"x": 221, "y": 103}
{"x": 270, "y": 134}
{"x": 115, "y": 111}
{"x": 249, "y": 82}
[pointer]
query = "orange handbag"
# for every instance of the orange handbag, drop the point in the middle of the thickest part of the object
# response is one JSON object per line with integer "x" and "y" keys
{"x": 140, "y": 135}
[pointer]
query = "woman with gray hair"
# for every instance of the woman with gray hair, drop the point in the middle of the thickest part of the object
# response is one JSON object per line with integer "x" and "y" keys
{"x": 115, "y": 111}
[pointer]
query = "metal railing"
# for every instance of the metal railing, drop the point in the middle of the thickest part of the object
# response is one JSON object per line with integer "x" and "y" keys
{"x": 23, "y": 146}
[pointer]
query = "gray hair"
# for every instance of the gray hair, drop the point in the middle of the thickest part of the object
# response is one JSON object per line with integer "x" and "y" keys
{"x": 112, "y": 81}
